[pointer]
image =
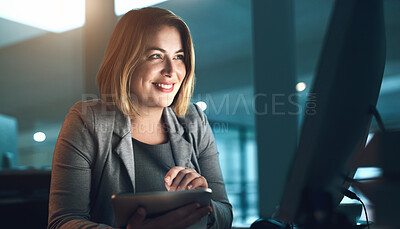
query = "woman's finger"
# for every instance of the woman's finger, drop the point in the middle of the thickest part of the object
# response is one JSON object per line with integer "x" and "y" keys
{"x": 177, "y": 180}
{"x": 187, "y": 179}
{"x": 176, "y": 175}
{"x": 198, "y": 183}
{"x": 171, "y": 174}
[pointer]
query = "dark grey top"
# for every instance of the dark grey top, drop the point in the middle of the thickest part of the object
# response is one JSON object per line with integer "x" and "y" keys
{"x": 93, "y": 160}
{"x": 152, "y": 162}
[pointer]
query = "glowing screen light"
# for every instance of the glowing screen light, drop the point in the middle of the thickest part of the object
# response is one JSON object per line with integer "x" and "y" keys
{"x": 368, "y": 173}
{"x": 52, "y": 15}
{"x": 39, "y": 137}
{"x": 123, "y": 6}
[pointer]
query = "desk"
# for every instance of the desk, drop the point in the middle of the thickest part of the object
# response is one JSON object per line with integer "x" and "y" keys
{"x": 24, "y": 198}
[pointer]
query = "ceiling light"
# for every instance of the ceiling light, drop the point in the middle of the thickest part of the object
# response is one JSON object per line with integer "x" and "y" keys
{"x": 301, "y": 86}
{"x": 123, "y": 6}
{"x": 202, "y": 105}
{"x": 52, "y": 15}
{"x": 39, "y": 137}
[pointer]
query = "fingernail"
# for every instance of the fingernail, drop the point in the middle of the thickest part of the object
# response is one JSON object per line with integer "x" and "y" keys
{"x": 190, "y": 187}
{"x": 167, "y": 179}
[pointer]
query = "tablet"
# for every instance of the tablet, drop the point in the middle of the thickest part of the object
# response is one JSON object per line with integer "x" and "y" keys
{"x": 155, "y": 203}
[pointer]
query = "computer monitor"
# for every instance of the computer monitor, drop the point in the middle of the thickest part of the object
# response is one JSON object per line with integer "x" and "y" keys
{"x": 347, "y": 84}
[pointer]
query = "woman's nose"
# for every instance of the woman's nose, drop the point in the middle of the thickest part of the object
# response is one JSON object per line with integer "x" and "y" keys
{"x": 169, "y": 68}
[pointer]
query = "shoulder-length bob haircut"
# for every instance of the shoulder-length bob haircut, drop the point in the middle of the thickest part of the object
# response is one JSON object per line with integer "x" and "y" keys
{"x": 125, "y": 51}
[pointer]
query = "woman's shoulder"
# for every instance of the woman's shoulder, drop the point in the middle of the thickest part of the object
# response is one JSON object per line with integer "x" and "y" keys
{"x": 92, "y": 111}
{"x": 98, "y": 116}
{"x": 88, "y": 105}
{"x": 93, "y": 107}
{"x": 194, "y": 113}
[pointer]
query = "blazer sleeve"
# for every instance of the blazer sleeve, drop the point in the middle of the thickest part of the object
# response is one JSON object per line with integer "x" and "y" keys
{"x": 208, "y": 160}
{"x": 69, "y": 203}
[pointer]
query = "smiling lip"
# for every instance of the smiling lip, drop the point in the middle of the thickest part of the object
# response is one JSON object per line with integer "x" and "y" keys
{"x": 166, "y": 87}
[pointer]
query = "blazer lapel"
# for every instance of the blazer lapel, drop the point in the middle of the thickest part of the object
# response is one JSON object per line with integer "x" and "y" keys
{"x": 122, "y": 145}
{"x": 182, "y": 150}
{"x": 125, "y": 152}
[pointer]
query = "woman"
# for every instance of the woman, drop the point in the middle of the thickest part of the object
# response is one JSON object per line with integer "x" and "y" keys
{"x": 141, "y": 136}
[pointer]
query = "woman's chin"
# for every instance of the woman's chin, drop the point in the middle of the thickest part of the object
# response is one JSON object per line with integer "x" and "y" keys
{"x": 162, "y": 104}
{"x": 165, "y": 103}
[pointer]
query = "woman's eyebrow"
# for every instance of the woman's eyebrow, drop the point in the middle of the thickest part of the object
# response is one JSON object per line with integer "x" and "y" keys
{"x": 155, "y": 48}
{"x": 161, "y": 50}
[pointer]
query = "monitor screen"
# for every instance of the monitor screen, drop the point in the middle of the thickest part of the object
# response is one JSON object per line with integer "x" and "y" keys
{"x": 346, "y": 85}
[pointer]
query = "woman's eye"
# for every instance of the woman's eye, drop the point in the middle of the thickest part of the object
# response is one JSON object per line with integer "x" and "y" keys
{"x": 155, "y": 56}
{"x": 179, "y": 57}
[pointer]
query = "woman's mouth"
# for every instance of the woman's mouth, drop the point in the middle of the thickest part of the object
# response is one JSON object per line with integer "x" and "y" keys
{"x": 164, "y": 87}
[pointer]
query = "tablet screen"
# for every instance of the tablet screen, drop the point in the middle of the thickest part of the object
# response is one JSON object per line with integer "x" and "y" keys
{"x": 156, "y": 203}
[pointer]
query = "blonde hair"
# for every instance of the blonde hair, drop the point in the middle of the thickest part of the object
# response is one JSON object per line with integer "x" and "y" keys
{"x": 124, "y": 52}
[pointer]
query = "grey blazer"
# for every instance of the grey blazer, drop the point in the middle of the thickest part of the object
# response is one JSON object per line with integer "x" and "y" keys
{"x": 93, "y": 159}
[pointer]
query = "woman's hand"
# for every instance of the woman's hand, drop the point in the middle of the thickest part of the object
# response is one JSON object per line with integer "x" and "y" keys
{"x": 182, "y": 217}
{"x": 182, "y": 178}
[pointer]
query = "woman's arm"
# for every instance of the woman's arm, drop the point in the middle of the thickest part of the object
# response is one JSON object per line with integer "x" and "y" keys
{"x": 221, "y": 216}
{"x": 70, "y": 188}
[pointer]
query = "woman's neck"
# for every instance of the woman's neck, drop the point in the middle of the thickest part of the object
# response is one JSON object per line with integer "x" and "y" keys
{"x": 149, "y": 128}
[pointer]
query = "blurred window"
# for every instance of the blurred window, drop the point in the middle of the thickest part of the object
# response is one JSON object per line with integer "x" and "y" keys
{"x": 237, "y": 155}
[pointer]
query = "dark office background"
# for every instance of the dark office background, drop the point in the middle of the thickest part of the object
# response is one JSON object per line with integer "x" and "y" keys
{"x": 42, "y": 74}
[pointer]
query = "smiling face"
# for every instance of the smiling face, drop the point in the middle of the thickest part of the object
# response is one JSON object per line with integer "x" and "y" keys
{"x": 158, "y": 77}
